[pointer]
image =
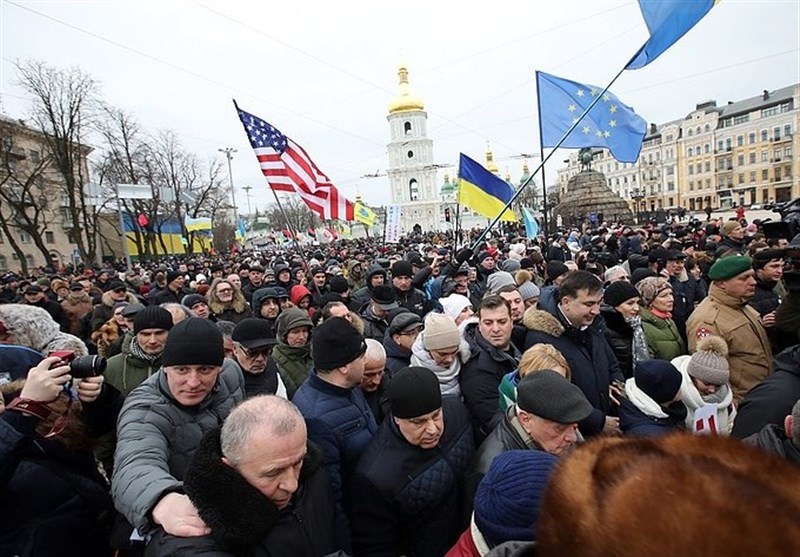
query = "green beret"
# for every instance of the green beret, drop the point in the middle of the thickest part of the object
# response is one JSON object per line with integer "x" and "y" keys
{"x": 729, "y": 267}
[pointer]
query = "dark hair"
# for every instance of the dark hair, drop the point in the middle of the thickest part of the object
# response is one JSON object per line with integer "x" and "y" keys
{"x": 577, "y": 281}
{"x": 326, "y": 310}
{"x": 507, "y": 288}
{"x": 493, "y": 302}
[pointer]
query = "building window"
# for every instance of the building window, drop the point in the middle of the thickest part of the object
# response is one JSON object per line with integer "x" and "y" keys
{"x": 771, "y": 111}
{"x": 671, "y": 170}
{"x": 765, "y": 175}
{"x": 407, "y": 128}
{"x": 752, "y": 176}
{"x": 741, "y": 178}
{"x": 24, "y": 238}
{"x": 691, "y": 132}
{"x": 764, "y": 135}
{"x": 29, "y": 261}
{"x": 741, "y": 119}
{"x": 670, "y": 186}
{"x": 764, "y": 156}
{"x": 751, "y": 138}
{"x": 787, "y": 152}
{"x": 691, "y": 152}
{"x": 728, "y": 144}
{"x": 708, "y": 184}
{"x": 691, "y": 186}
{"x": 776, "y": 133}
{"x": 708, "y": 166}
{"x": 720, "y": 145}
{"x": 410, "y": 154}
{"x": 707, "y": 128}
{"x": 668, "y": 138}
{"x": 777, "y": 174}
{"x": 752, "y": 157}
{"x": 739, "y": 140}
{"x": 3, "y": 263}
{"x": 49, "y": 237}
{"x": 707, "y": 148}
{"x": 787, "y": 130}
{"x": 786, "y": 107}
{"x": 413, "y": 189}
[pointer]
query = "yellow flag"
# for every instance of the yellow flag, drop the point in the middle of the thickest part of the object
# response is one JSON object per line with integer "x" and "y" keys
{"x": 364, "y": 214}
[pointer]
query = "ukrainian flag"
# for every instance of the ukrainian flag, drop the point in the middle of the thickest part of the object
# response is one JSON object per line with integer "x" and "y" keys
{"x": 364, "y": 214}
{"x": 667, "y": 21}
{"x": 482, "y": 191}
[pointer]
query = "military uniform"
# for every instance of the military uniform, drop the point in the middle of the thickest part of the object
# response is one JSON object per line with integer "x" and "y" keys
{"x": 749, "y": 352}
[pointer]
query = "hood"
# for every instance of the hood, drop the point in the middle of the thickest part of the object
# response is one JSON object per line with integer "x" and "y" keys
{"x": 375, "y": 269}
{"x": 542, "y": 321}
{"x": 33, "y": 327}
{"x": 354, "y": 263}
{"x": 298, "y": 292}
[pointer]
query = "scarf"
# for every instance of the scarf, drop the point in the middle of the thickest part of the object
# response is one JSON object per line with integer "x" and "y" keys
{"x": 448, "y": 377}
{"x": 661, "y": 314}
{"x": 639, "y": 349}
{"x": 138, "y": 352}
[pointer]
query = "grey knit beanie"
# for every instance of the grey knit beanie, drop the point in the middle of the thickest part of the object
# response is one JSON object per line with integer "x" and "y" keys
{"x": 528, "y": 290}
{"x": 709, "y": 363}
{"x": 498, "y": 280}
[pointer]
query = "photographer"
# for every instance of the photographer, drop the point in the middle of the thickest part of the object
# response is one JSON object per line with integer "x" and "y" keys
{"x": 54, "y": 501}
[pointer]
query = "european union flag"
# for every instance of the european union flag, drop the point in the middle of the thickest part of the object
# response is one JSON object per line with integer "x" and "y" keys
{"x": 667, "y": 21}
{"x": 610, "y": 124}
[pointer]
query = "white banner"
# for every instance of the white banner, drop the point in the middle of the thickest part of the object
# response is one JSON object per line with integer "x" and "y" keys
{"x": 393, "y": 230}
{"x": 135, "y": 191}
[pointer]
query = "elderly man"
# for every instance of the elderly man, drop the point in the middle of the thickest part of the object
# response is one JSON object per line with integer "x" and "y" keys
{"x": 784, "y": 440}
{"x": 492, "y": 355}
{"x": 338, "y": 417}
{"x": 545, "y": 418}
{"x": 400, "y": 338}
{"x": 259, "y": 487}
{"x": 725, "y": 313}
{"x": 141, "y": 353}
{"x": 161, "y": 424}
{"x": 253, "y": 341}
{"x": 410, "y": 480}
{"x": 374, "y": 380}
{"x": 376, "y": 312}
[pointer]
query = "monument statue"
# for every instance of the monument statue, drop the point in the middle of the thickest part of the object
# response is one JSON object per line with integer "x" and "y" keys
{"x": 585, "y": 157}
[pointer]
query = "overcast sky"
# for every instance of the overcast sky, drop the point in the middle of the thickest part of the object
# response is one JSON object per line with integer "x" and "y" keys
{"x": 323, "y": 72}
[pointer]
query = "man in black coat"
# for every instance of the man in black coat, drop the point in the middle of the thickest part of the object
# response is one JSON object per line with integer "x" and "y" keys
{"x": 35, "y": 296}
{"x": 408, "y": 486}
{"x": 772, "y": 399}
{"x": 253, "y": 341}
{"x": 258, "y": 486}
{"x": 407, "y": 296}
{"x": 492, "y": 355}
{"x": 574, "y": 330}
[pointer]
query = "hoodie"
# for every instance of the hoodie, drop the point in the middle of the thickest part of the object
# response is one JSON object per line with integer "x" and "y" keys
{"x": 33, "y": 327}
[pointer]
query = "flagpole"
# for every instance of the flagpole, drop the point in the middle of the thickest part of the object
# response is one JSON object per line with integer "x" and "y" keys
{"x": 457, "y": 239}
{"x": 291, "y": 227}
{"x": 544, "y": 159}
{"x": 541, "y": 157}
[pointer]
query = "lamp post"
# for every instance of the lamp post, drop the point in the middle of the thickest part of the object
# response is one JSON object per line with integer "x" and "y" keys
{"x": 637, "y": 197}
{"x": 229, "y": 151}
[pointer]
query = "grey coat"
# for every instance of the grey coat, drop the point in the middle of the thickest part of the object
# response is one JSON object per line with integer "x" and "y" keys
{"x": 156, "y": 438}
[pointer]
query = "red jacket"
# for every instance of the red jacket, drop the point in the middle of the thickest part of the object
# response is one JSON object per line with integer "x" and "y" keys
{"x": 464, "y": 547}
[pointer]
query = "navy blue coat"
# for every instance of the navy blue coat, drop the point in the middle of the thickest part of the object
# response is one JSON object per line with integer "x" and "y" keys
{"x": 341, "y": 423}
{"x": 591, "y": 360}
{"x": 634, "y": 422}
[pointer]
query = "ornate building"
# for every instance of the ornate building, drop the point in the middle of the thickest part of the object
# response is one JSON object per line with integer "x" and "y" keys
{"x": 411, "y": 171}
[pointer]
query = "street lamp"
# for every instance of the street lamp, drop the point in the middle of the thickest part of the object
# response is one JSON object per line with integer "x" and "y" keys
{"x": 637, "y": 197}
{"x": 229, "y": 151}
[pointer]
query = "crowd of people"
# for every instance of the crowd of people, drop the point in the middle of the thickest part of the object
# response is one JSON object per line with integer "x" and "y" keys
{"x": 604, "y": 390}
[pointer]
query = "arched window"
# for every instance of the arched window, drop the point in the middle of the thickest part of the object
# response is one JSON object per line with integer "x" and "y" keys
{"x": 407, "y": 127}
{"x": 691, "y": 151}
{"x": 707, "y": 128}
{"x": 697, "y": 130}
{"x": 691, "y": 133}
{"x": 413, "y": 189}
{"x": 410, "y": 154}
{"x": 707, "y": 148}
{"x": 29, "y": 261}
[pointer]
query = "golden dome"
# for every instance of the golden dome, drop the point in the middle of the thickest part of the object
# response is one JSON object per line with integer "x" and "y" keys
{"x": 405, "y": 101}
{"x": 490, "y": 165}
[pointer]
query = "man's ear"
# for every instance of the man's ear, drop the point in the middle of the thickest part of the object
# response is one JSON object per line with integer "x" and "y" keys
{"x": 226, "y": 462}
{"x": 788, "y": 425}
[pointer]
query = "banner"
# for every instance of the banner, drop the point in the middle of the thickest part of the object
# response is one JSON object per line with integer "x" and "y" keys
{"x": 393, "y": 230}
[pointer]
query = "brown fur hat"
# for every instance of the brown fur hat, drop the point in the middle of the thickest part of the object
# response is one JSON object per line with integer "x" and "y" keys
{"x": 676, "y": 495}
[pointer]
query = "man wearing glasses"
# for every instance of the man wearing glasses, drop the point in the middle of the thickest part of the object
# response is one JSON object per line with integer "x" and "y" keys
{"x": 253, "y": 340}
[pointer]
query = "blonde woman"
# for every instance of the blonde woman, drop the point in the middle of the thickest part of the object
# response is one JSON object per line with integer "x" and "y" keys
{"x": 226, "y": 302}
{"x": 535, "y": 358}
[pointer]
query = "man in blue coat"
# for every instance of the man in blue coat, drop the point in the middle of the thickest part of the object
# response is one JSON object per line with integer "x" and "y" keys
{"x": 337, "y": 415}
{"x": 572, "y": 329}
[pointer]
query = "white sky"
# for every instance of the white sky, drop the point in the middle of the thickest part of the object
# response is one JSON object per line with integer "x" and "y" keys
{"x": 323, "y": 72}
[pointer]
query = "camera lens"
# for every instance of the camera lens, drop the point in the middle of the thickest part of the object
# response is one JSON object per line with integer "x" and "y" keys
{"x": 87, "y": 366}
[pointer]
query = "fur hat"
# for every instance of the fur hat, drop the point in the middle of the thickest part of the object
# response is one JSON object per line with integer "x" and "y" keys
{"x": 709, "y": 363}
{"x": 509, "y": 496}
{"x": 440, "y": 332}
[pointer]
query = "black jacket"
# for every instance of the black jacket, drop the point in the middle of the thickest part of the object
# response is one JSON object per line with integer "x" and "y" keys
{"x": 374, "y": 327}
{"x": 243, "y": 521}
{"x": 414, "y": 301}
{"x": 480, "y": 379}
{"x": 503, "y": 438}
{"x": 620, "y": 337}
{"x": 53, "y": 501}
{"x": 264, "y": 383}
{"x": 770, "y": 401}
{"x": 408, "y": 500}
{"x": 397, "y": 357}
{"x": 590, "y": 358}
{"x": 772, "y": 439}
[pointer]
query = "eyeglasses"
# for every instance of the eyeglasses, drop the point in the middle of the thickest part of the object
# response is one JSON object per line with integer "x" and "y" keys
{"x": 119, "y": 290}
{"x": 253, "y": 353}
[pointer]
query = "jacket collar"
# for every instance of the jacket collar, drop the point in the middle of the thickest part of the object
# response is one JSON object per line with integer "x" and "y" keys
{"x": 719, "y": 295}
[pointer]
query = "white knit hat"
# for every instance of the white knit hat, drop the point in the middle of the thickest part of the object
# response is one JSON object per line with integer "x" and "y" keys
{"x": 453, "y": 305}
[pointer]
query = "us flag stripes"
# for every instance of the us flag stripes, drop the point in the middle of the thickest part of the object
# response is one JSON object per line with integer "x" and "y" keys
{"x": 288, "y": 168}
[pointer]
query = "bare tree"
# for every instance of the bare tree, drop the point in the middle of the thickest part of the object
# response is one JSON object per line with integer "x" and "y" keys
{"x": 300, "y": 216}
{"x": 63, "y": 108}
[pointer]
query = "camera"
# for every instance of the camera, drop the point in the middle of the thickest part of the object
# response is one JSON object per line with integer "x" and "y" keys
{"x": 81, "y": 367}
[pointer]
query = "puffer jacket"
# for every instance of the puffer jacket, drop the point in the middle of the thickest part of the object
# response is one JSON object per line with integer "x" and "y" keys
{"x": 663, "y": 337}
{"x": 480, "y": 379}
{"x": 157, "y": 436}
{"x": 374, "y": 326}
{"x": 243, "y": 521}
{"x": 590, "y": 358}
{"x": 410, "y": 499}
{"x": 341, "y": 423}
{"x": 125, "y": 371}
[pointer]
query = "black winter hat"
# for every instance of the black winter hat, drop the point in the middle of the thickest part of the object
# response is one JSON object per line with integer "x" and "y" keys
{"x": 117, "y": 284}
{"x": 618, "y": 292}
{"x": 384, "y": 296}
{"x": 555, "y": 269}
{"x": 152, "y": 317}
{"x": 191, "y": 300}
{"x": 172, "y": 275}
{"x": 253, "y": 333}
{"x": 194, "y": 341}
{"x": 338, "y": 284}
{"x": 402, "y": 269}
{"x": 658, "y": 379}
{"x": 336, "y": 343}
{"x": 413, "y": 392}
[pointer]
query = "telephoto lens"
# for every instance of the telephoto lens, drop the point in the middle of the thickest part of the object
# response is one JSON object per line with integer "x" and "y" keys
{"x": 87, "y": 366}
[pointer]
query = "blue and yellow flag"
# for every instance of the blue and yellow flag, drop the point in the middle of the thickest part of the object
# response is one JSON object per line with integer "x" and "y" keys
{"x": 364, "y": 214}
{"x": 610, "y": 123}
{"x": 482, "y": 191}
{"x": 194, "y": 225}
{"x": 667, "y": 21}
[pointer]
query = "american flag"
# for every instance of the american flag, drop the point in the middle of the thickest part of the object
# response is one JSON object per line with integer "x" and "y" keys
{"x": 288, "y": 168}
